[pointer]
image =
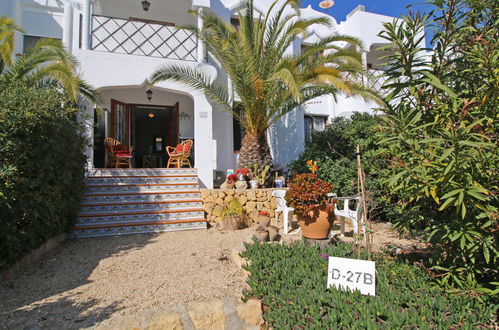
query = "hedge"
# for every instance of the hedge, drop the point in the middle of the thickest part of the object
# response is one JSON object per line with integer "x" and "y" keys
{"x": 291, "y": 281}
{"x": 42, "y": 167}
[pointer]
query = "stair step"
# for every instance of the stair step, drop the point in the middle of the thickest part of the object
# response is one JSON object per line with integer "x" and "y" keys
{"x": 141, "y": 179}
{"x": 142, "y": 171}
{"x": 139, "y": 216}
{"x": 96, "y": 208}
{"x": 137, "y": 228}
{"x": 124, "y": 188}
{"x": 140, "y": 197}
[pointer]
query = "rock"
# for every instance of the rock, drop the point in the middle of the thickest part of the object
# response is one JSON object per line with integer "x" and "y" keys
{"x": 230, "y": 192}
{"x": 217, "y": 211}
{"x": 254, "y": 216}
{"x": 208, "y": 207}
{"x": 221, "y": 194}
{"x": 259, "y": 193}
{"x": 251, "y": 312}
{"x": 219, "y": 201}
{"x": 228, "y": 199}
{"x": 219, "y": 220}
{"x": 273, "y": 203}
{"x": 243, "y": 199}
{"x": 207, "y": 315}
{"x": 250, "y": 206}
{"x": 259, "y": 206}
{"x": 209, "y": 199}
{"x": 262, "y": 199}
{"x": 204, "y": 193}
{"x": 266, "y": 204}
{"x": 251, "y": 195}
{"x": 166, "y": 320}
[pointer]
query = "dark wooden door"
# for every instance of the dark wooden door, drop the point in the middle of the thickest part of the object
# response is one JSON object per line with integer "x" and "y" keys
{"x": 173, "y": 126}
{"x": 120, "y": 122}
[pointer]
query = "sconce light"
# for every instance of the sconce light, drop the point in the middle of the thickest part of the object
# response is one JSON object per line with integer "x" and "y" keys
{"x": 145, "y": 5}
{"x": 149, "y": 94}
{"x": 184, "y": 116}
{"x": 151, "y": 114}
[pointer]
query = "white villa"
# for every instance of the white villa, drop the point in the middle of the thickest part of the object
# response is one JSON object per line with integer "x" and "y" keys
{"x": 119, "y": 45}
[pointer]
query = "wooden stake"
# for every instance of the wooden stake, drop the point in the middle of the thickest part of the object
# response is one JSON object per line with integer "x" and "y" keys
{"x": 361, "y": 179}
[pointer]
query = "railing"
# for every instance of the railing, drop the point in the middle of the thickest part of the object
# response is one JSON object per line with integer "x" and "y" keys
{"x": 127, "y": 36}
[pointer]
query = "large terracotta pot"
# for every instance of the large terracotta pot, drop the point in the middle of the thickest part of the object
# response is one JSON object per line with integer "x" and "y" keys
{"x": 318, "y": 222}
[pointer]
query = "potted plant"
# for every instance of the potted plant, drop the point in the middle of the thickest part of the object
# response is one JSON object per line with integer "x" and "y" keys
{"x": 278, "y": 181}
{"x": 307, "y": 194}
{"x": 232, "y": 215}
{"x": 229, "y": 181}
{"x": 242, "y": 173}
{"x": 260, "y": 174}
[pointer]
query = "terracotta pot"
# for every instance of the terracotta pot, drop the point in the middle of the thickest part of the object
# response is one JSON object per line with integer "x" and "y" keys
{"x": 318, "y": 222}
{"x": 232, "y": 222}
{"x": 263, "y": 220}
{"x": 262, "y": 234}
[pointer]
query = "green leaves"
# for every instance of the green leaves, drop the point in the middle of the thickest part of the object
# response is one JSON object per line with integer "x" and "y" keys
{"x": 440, "y": 125}
{"x": 291, "y": 282}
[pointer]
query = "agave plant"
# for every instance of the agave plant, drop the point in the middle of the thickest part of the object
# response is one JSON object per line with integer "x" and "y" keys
{"x": 47, "y": 63}
{"x": 267, "y": 82}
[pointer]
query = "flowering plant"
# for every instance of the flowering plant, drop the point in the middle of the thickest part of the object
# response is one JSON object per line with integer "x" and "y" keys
{"x": 306, "y": 192}
{"x": 312, "y": 165}
{"x": 231, "y": 178}
{"x": 244, "y": 171}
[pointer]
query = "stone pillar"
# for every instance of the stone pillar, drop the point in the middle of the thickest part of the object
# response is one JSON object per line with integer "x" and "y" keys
{"x": 67, "y": 33}
{"x": 201, "y": 49}
{"x": 87, "y": 20}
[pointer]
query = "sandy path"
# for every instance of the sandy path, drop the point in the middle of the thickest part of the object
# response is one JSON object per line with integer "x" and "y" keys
{"x": 86, "y": 281}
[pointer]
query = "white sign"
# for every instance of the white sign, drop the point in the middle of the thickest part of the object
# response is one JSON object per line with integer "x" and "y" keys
{"x": 352, "y": 274}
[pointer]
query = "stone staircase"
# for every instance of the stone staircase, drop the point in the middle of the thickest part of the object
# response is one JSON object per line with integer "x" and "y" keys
{"x": 134, "y": 201}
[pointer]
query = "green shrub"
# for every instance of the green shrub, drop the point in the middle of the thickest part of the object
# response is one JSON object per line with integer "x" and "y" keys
{"x": 41, "y": 167}
{"x": 440, "y": 135}
{"x": 291, "y": 281}
{"x": 334, "y": 151}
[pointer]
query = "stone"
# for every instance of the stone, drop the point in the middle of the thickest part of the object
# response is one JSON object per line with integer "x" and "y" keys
{"x": 243, "y": 199}
{"x": 217, "y": 211}
{"x": 273, "y": 204}
{"x": 204, "y": 193}
{"x": 228, "y": 199}
{"x": 208, "y": 207}
{"x": 230, "y": 192}
{"x": 209, "y": 199}
{"x": 219, "y": 220}
{"x": 166, "y": 320}
{"x": 221, "y": 194}
{"x": 262, "y": 199}
{"x": 266, "y": 204}
{"x": 254, "y": 216}
{"x": 259, "y": 193}
{"x": 259, "y": 206}
{"x": 251, "y": 195}
{"x": 207, "y": 315}
{"x": 219, "y": 201}
{"x": 251, "y": 312}
{"x": 250, "y": 206}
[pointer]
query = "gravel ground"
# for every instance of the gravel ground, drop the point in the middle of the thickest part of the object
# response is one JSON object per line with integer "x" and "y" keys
{"x": 86, "y": 281}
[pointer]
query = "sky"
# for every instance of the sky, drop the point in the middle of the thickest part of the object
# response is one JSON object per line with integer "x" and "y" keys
{"x": 394, "y": 8}
{"x": 341, "y": 8}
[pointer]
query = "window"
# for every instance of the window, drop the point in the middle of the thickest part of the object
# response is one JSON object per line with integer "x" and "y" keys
{"x": 234, "y": 21}
{"x": 30, "y": 41}
{"x": 314, "y": 123}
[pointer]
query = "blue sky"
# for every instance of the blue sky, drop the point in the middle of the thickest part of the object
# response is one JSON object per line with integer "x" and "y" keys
{"x": 385, "y": 7}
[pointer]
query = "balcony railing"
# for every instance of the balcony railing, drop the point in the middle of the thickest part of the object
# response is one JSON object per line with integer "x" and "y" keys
{"x": 127, "y": 36}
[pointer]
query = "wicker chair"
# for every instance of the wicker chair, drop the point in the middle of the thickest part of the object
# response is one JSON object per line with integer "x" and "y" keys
{"x": 121, "y": 158}
{"x": 179, "y": 156}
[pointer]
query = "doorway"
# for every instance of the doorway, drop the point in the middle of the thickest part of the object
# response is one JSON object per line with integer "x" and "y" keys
{"x": 148, "y": 128}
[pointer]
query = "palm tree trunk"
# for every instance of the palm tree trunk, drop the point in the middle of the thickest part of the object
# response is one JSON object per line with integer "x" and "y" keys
{"x": 254, "y": 150}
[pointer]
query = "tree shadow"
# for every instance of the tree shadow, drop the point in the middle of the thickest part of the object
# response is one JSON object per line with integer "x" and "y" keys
{"x": 47, "y": 294}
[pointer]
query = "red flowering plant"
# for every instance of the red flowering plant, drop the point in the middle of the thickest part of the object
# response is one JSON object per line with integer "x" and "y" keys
{"x": 231, "y": 178}
{"x": 306, "y": 191}
{"x": 244, "y": 171}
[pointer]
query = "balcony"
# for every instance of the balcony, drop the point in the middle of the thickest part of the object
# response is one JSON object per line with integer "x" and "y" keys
{"x": 139, "y": 37}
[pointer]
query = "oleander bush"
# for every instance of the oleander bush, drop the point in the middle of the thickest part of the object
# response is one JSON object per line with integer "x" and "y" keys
{"x": 334, "y": 151}
{"x": 291, "y": 281}
{"x": 41, "y": 166}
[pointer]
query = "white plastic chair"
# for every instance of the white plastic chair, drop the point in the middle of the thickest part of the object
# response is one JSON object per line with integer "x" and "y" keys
{"x": 282, "y": 207}
{"x": 356, "y": 215}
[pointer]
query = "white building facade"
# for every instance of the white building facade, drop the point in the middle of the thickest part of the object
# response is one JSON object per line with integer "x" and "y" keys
{"x": 119, "y": 45}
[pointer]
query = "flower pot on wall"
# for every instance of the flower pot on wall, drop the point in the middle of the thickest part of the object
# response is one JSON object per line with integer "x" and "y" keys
{"x": 317, "y": 223}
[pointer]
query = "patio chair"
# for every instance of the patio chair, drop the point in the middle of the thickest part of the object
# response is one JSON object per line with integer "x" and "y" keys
{"x": 356, "y": 215}
{"x": 118, "y": 154}
{"x": 282, "y": 207}
{"x": 179, "y": 156}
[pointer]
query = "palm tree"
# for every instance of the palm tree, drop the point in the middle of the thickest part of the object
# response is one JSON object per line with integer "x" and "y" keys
{"x": 47, "y": 63}
{"x": 267, "y": 82}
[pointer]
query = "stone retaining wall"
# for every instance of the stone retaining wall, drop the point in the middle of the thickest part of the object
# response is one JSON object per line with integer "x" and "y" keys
{"x": 252, "y": 200}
